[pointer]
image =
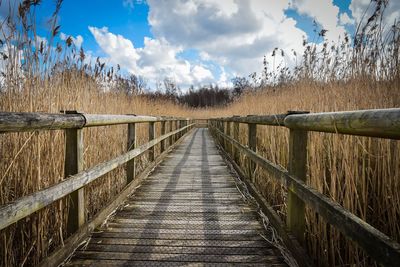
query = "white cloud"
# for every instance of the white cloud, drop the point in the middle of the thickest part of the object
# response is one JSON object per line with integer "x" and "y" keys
{"x": 363, "y": 9}
{"x": 345, "y": 19}
{"x": 223, "y": 80}
{"x": 324, "y": 12}
{"x": 155, "y": 61}
{"x": 78, "y": 40}
{"x": 234, "y": 34}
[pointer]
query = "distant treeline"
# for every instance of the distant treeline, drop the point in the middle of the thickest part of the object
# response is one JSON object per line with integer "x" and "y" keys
{"x": 204, "y": 96}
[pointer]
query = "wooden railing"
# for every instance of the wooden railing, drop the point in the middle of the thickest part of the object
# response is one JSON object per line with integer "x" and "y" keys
{"x": 383, "y": 123}
{"x": 77, "y": 178}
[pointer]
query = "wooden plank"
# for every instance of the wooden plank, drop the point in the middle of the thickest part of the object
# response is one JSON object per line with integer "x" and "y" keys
{"x": 131, "y": 144}
{"x": 58, "y": 256}
{"x": 169, "y": 227}
{"x": 178, "y": 257}
{"x": 178, "y": 249}
{"x": 124, "y": 263}
{"x": 297, "y": 251}
{"x": 384, "y": 123}
{"x": 73, "y": 165}
{"x": 14, "y": 211}
{"x": 295, "y": 217}
{"x": 379, "y": 246}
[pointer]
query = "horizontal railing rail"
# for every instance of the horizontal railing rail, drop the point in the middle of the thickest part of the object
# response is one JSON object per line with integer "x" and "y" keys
{"x": 76, "y": 178}
{"x": 22, "y": 121}
{"x": 383, "y": 123}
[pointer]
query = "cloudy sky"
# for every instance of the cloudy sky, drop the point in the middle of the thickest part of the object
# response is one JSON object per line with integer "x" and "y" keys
{"x": 202, "y": 41}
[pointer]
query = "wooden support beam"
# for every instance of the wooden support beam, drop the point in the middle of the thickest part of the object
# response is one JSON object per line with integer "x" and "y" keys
{"x": 151, "y": 137}
{"x": 228, "y": 133}
{"x": 170, "y": 139}
{"x": 130, "y": 166}
{"x": 236, "y": 154}
{"x": 252, "y": 143}
{"x": 295, "y": 218}
{"x": 162, "y": 148}
{"x": 73, "y": 165}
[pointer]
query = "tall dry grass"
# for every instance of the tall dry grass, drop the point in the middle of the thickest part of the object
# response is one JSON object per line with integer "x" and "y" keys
{"x": 33, "y": 161}
{"x": 360, "y": 173}
{"x": 40, "y": 75}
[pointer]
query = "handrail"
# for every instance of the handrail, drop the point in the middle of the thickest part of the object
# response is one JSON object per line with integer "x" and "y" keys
{"x": 73, "y": 124}
{"x": 23, "y": 121}
{"x": 384, "y": 123}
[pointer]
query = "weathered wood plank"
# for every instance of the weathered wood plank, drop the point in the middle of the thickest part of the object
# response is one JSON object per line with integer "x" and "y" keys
{"x": 159, "y": 225}
{"x": 177, "y": 257}
{"x": 288, "y": 239}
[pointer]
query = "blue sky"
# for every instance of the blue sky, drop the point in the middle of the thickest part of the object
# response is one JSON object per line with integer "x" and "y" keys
{"x": 199, "y": 41}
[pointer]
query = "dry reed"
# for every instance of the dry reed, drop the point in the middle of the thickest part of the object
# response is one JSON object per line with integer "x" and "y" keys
{"x": 362, "y": 174}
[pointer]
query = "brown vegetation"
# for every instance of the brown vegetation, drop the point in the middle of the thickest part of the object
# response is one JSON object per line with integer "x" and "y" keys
{"x": 360, "y": 173}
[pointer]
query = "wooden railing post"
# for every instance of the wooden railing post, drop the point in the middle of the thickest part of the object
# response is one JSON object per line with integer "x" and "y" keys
{"x": 130, "y": 165}
{"x": 295, "y": 218}
{"x": 228, "y": 133}
{"x": 222, "y": 129}
{"x": 175, "y": 128}
{"x": 181, "y": 124}
{"x": 73, "y": 165}
{"x": 252, "y": 143}
{"x": 151, "y": 137}
{"x": 162, "y": 148}
{"x": 170, "y": 130}
{"x": 236, "y": 137}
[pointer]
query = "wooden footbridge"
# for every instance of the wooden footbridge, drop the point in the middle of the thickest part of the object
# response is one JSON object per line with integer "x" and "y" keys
{"x": 187, "y": 207}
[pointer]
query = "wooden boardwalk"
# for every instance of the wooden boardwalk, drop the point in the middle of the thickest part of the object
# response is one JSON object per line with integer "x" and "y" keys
{"x": 188, "y": 212}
